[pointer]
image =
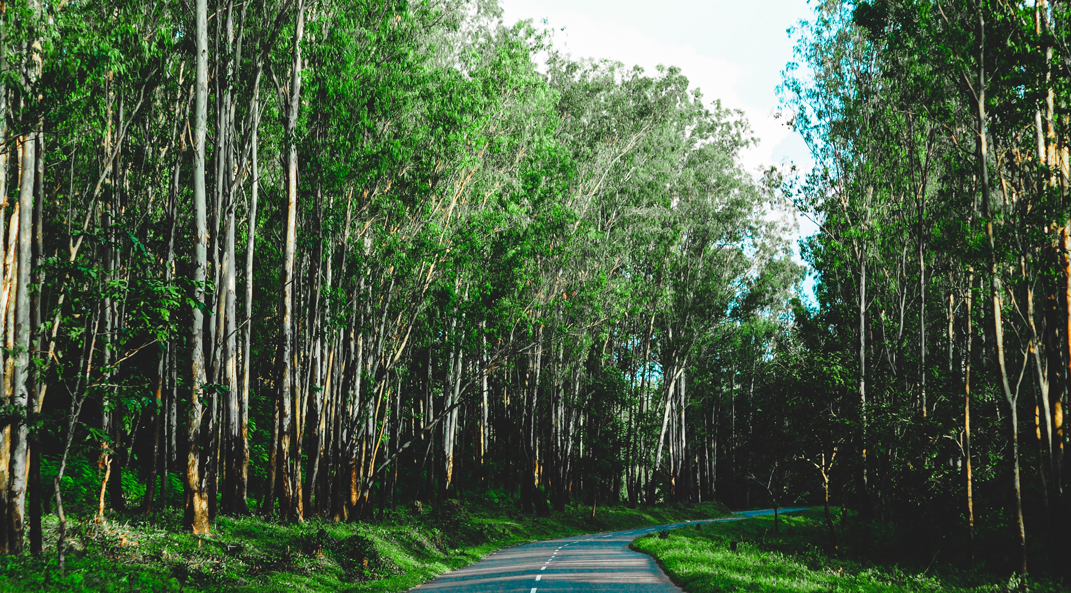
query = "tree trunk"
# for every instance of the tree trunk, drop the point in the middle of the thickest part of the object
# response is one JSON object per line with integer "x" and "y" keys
{"x": 824, "y": 469}
{"x": 864, "y": 493}
{"x": 7, "y": 361}
{"x": 108, "y": 441}
{"x": 247, "y": 327}
{"x": 922, "y": 307}
{"x": 5, "y": 431}
{"x": 37, "y": 400}
{"x": 20, "y": 396}
{"x": 483, "y": 432}
{"x": 230, "y": 432}
{"x": 670, "y": 394}
{"x": 196, "y": 501}
{"x": 968, "y": 474}
{"x": 995, "y": 293}
{"x": 291, "y": 497}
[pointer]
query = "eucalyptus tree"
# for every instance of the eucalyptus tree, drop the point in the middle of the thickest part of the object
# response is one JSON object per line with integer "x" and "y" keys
{"x": 197, "y": 505}
{"x": 832, "y": 111}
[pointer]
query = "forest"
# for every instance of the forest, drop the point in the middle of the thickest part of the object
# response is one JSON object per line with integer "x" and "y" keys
{"x": 307, "y": 259}
{"x": 936, "y": 367}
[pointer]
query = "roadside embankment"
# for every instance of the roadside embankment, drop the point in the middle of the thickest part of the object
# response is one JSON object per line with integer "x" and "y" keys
{"x": 398, "y": 550}
{"x": 750, "y": 556}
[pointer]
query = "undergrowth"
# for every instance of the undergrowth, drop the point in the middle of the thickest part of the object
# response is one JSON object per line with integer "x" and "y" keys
{"x": 400, "y": 549}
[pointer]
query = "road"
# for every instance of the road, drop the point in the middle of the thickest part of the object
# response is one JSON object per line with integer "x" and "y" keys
{"x": 596, "y": 563}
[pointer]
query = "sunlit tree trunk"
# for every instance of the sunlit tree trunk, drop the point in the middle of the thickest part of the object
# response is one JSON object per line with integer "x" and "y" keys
{"x": 20, "y": 394}
{"x": 5, "y": 431}
{"x": 196, "y": 500}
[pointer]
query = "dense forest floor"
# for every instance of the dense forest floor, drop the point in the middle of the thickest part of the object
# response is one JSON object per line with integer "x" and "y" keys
{"x": 398, "y": 550}
{"x": 796, "y": 559}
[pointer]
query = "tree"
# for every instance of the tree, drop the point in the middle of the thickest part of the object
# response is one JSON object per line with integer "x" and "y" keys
{"x": 196, "y": 497}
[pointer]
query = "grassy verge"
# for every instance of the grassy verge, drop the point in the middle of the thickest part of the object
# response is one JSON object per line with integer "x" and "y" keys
{"x": 794, "y": 561}
{"x": 404, "y": 548}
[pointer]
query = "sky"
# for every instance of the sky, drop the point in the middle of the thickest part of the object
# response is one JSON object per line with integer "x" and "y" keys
{"x": 732, "y": 50}
{"x": 727, "y": 48}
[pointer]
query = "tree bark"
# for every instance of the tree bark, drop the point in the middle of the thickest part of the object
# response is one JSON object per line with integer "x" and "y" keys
{"x": 196, "y": 501}
{"x": 33, "y": 408}
{"x": 20, "y": 395}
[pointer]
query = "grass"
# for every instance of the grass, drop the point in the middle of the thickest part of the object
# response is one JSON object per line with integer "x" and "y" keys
{"x": 795, "y": 561}
{"x": 402, "y": 549}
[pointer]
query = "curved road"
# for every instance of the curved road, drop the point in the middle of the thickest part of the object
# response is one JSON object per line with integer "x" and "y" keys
{"x": 600, "y": 562}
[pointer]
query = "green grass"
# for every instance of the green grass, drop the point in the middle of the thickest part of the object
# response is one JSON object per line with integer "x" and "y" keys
{"x": 400, "y": 550}
{"x": 795, "y": 561}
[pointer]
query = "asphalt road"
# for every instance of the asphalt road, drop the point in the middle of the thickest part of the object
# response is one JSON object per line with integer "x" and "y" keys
{"x": 596, "y": 563}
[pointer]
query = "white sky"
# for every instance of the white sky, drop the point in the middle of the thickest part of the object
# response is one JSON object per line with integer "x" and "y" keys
{"x": 734, "y": 51}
